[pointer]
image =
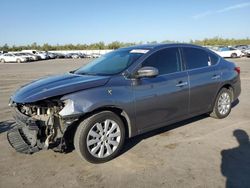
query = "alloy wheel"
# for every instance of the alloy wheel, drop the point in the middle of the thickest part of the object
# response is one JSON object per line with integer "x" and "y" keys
{"x": 224, "y": 103}
{"x": 103, "y": 138}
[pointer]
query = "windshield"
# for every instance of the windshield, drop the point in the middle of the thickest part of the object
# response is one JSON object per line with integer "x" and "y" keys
{"x": 112, "y": 63}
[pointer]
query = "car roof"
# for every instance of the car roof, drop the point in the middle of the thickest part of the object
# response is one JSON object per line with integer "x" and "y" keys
{"x": 157, "y": 46}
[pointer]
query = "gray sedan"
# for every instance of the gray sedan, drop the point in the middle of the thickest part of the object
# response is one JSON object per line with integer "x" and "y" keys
{"x": 122, "y": 94}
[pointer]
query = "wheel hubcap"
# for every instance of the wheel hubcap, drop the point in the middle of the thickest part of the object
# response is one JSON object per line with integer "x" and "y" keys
{"x": 103, "y": 138}
{"x": 224, "y": 103}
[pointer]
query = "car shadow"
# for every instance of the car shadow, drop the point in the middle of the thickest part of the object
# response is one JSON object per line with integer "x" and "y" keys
{"x": 6, "y": 125}
{"x": 131, "y": 142}
{"x": 235, "y": 162}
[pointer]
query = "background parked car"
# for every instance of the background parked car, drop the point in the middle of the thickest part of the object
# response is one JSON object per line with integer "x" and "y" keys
{"x": 73, "y": 55}
{"x": 51, "y": 55}
{"x": 228, "y": 52}
{"x": 95, "y": 55}
{"x": 82, "y": 55}
{"x": 42, "y": 55}
{"x": 88, "y": 56}
{"x": 30, "y": 57}
{"x": 68, "y": 55}
{"x": 242, "y": 48}
{"x": 3, "y": 52}
{"x": 10, "y": 57}
{"x": 247, "y": 52}
{"x": 59, "y": 55}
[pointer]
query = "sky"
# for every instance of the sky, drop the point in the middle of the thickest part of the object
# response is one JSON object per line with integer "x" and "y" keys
{"x": 87, "y": 21}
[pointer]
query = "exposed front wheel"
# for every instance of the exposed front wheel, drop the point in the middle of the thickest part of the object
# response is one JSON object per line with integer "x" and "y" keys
{"x": 100, "y": 137}
{"x": 18, "y": 60}
{"x": 222, "y": 106}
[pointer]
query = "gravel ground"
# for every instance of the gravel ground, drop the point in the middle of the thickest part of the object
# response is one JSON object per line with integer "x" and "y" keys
{"x": 200, "y": 152}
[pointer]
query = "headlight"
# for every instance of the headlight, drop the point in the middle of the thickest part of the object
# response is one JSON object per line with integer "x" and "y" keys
{"x": 68, "y": 108}
{"x": 72, "y": 108}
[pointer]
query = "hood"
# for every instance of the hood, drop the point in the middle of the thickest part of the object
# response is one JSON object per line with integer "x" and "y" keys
{"x": 55, "y": 86}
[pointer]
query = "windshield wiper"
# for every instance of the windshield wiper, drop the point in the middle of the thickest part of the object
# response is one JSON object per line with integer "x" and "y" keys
{"x": 86, "y": 73}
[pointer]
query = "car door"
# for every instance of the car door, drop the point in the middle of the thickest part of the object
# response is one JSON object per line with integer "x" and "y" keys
{"x": 223, "y": 52}
{"x": 164, "y": 97}
{"x": 12, "y": 58}
{"x": 204, "y": 78}
{"x": 7, "y": 57}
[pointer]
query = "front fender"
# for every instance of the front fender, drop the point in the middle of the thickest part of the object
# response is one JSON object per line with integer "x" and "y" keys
{"x": 87, "y": 101}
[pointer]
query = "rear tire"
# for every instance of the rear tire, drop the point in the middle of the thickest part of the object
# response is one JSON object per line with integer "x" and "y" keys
{"x": 100, "y": 137}
{"x": 233, "y": 55}
{"x": 2, "y": 61}
{"x": 223, "y": 104}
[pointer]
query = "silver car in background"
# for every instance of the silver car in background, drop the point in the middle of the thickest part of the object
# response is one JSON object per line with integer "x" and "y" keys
{"x": 11, "y": 57}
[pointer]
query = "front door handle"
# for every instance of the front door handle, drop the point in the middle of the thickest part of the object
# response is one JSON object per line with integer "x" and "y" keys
{"x": 181, "y": 84}
{"x": 215, "y": 77}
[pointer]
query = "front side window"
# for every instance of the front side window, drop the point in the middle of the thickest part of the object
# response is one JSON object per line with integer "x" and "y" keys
{"x": 195, "y": 58}
{"x": 112, "y": 63}
{"x": 166, "y": 61}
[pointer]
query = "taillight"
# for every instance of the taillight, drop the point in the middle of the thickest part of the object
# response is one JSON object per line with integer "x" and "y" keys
{"x": 237, "y": 69}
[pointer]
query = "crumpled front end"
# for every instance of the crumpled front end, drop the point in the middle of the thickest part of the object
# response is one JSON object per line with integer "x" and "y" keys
{"x": 39, "y": 126}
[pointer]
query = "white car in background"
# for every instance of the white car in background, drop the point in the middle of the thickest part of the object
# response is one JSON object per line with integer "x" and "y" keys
{"x": 10, "y": 57}
{"x": 29, "y": 56}
{"x": 95, "y": 55}
{"x": 247, "y": 52}
{"x": 88, "y": 56}
{"x": 42, "y": 55}
{"x": 228, "y": 52}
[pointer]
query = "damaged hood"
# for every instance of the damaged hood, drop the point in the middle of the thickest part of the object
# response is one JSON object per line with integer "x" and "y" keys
{"x": 55, "y": 86}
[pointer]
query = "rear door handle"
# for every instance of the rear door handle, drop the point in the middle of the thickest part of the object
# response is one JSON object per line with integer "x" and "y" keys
{"x": 181, "y": 84}
{"x": 215, "y": 77}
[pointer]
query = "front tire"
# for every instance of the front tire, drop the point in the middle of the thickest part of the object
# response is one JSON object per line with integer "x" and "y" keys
{"x": 223, "y": 104}
{"x": 100, "y": 137}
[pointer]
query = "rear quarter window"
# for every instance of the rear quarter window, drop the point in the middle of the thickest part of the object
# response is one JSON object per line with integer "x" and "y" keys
{"x": 213, "y": 58}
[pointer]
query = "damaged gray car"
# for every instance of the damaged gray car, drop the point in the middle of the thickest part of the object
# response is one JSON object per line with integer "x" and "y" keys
{"x": 122, "y": 94}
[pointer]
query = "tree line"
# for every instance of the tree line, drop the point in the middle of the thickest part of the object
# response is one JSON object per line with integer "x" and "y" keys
{"x": 116, "y": 44}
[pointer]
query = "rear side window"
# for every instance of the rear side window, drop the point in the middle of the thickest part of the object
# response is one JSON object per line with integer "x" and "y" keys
{"x": 166, "y": 61}
{"x": 195, "y": 58}
{"x": 213, "y": 58}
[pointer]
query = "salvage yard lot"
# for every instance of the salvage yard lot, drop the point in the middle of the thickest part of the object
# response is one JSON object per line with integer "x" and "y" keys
{"x": 188, "y": 154}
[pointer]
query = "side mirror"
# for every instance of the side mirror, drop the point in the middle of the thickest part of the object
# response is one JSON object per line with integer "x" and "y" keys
{"x": 147, "y": 72}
